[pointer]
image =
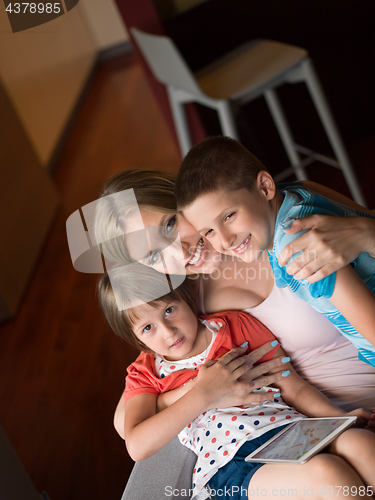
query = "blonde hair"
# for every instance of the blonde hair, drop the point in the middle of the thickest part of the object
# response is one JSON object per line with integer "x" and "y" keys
{"x": 154, "y": 190}
{"x": 126, "y": 286}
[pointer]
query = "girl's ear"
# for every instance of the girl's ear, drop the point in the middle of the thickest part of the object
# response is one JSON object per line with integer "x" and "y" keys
{"x": 266, "y": 185}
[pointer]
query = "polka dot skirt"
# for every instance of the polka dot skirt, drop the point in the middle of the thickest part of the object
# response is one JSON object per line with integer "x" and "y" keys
{"x": 216, "y": 435}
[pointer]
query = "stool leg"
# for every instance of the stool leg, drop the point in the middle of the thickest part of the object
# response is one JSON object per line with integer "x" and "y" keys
{"x": 228, "y": 125}
{"x": 322, "y": 107}
{"x": 180, "y": 122}
{"x": 285, "y": 133}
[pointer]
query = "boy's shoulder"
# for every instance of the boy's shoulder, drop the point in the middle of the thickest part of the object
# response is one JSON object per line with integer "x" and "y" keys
{"x": 298, "y": 203}
{"x": 302, "y": 202}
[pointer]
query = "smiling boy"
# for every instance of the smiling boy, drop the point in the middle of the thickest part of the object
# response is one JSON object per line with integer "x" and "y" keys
{"x": 226, "y": 193}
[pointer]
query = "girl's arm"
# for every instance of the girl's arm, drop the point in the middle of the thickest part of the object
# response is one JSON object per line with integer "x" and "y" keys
{"x": 146, "y": 431}
{"x": 332, "y": 243}
{"x": 119, "y": 418}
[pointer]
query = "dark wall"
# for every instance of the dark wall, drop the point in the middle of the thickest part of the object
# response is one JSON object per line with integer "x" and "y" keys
{"x": 339, "y": 36}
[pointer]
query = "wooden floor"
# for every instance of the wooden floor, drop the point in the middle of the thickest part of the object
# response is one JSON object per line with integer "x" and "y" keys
{"x": 62, "y": 370}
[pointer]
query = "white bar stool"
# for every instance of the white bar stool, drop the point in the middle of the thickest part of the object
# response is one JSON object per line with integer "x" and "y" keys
{"x": 253, "y": 69}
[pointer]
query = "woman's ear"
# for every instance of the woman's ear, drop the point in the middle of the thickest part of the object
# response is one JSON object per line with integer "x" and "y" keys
{"x": 266, "y": 184}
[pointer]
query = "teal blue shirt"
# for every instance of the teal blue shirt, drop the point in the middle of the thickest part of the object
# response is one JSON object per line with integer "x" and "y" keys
{"x": 301, "y": 202}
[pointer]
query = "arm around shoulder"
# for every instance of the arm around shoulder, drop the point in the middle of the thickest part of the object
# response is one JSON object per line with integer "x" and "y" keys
{"x": 331, "y": 244}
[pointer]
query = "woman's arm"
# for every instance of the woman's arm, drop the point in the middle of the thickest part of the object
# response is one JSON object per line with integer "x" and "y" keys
{"x": 299, "y": 394}
{"x": 304, "y": 397}
{"x": 254, "y": 378}
{"x": 356, "y": 302}
{"x": 332, "y": 243}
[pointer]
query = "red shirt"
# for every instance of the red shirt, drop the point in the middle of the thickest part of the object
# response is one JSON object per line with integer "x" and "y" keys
{"x": 237, "y": 328}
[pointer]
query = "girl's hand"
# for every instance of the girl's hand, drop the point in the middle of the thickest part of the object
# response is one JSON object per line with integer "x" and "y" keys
{"x": 365, "y": 418}
{"x": 332, "y": 243}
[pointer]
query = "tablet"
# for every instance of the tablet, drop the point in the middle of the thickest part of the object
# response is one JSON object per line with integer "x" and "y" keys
{"x": 301, "y": 440}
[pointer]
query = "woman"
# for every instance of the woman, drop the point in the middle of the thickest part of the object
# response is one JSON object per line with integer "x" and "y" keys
{"x": 318, "y": 351}
{"x": 227, "y": 283}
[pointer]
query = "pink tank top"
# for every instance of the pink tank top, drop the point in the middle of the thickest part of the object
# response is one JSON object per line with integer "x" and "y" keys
{"x": 319, "y": 353}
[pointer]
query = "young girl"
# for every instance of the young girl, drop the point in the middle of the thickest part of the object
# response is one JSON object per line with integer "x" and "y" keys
{"x": 179, "y": 349}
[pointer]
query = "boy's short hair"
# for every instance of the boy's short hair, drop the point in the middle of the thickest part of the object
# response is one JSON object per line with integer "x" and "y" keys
{"x": 216, "y": 163}
{"x": 135, "y": 284}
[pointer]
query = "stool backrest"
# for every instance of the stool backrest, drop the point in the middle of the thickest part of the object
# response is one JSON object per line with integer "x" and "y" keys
{"x": 166, "y": 61}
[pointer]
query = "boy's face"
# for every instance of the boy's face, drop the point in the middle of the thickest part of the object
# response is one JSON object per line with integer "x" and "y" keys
{"x": 238, "y": 222}
{"x": 167, "y": 328}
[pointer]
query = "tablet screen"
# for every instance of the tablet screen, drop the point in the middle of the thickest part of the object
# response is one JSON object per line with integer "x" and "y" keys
{"x": 299, "y": 439}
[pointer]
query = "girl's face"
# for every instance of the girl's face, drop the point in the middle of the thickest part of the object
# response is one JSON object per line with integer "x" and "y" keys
{"x": 170, "y": 244}
{"x": 167, "y": 328}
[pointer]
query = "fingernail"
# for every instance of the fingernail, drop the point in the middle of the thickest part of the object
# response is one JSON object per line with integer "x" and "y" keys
{"x": 285, "y": 374}
{"x": 244, "y": 344}
{"x": 277, "y": 395}
{"x": 274, "y": 343}
{"x": 287, "y": 223}
{"x": 285, "y": 360}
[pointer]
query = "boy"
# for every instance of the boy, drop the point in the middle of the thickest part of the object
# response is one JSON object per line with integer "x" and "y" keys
{"x": 226, "y": 193}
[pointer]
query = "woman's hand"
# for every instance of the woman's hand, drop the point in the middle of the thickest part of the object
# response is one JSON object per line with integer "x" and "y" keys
{"x": 253, "y": 378}
{"x": 218, "y": 378}
{"x": 239, "y": 387}
{"x": 233, "y": 393}
{"x": 332, "y": 243}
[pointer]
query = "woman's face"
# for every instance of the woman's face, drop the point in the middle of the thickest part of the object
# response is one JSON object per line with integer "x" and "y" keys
{"x": 170, "y": 244}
